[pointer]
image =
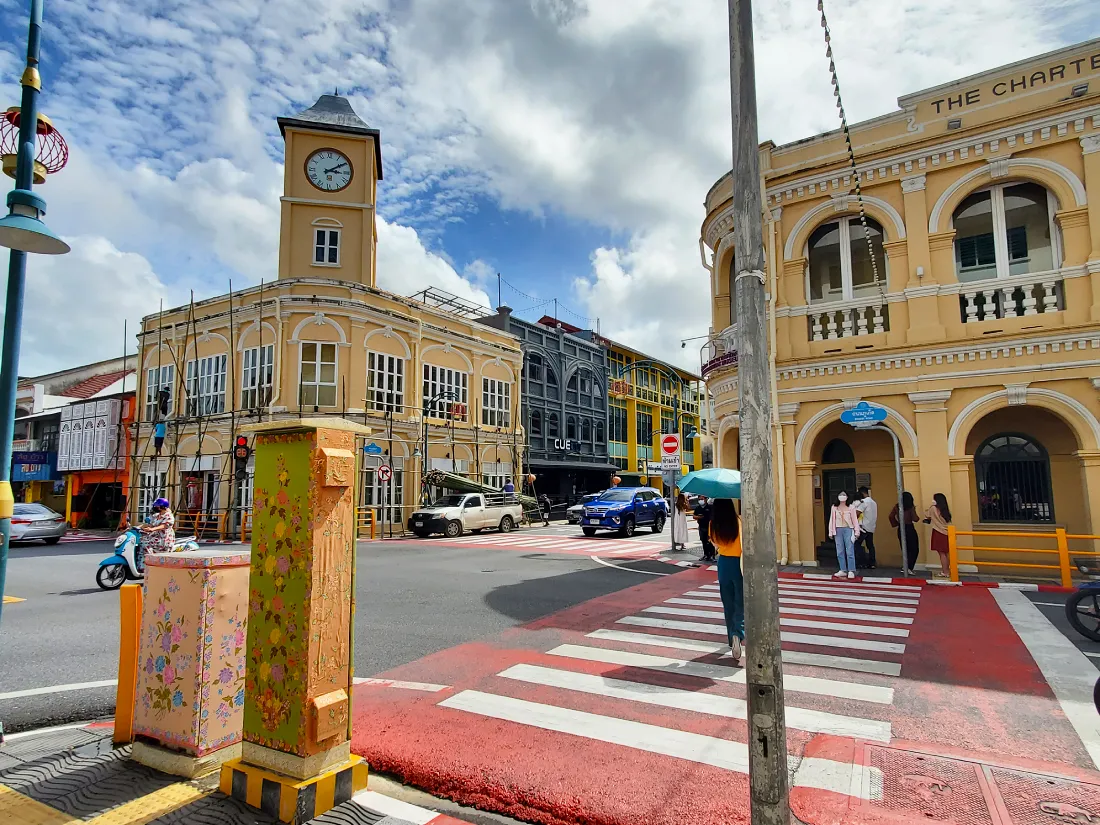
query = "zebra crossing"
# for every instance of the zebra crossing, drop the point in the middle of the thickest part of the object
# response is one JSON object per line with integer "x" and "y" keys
{"x": 564, "y": 544}
{"x": 843, "y": 646}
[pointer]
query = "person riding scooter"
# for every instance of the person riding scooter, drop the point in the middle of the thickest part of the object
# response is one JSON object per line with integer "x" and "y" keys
{"x": 159, "y": 535}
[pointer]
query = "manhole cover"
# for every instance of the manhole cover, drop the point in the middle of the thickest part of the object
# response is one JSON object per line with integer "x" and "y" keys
{"x": 921, "y": 788}
{"x": 1033, "y": 799}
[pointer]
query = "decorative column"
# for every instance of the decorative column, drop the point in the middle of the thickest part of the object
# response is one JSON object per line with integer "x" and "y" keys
{"x": 1090, "y": 149}
{"x": 297, "y": 760}
{"x": 788, "y": 491}
{"x": 1090, "y": 477}
{"x": 962, "y": 514}
{"x": 931, "y": 421}
{"x": 803, "y": 514}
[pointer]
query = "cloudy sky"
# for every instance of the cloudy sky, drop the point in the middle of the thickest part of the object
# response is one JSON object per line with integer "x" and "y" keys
{"x": 567, "y": 144}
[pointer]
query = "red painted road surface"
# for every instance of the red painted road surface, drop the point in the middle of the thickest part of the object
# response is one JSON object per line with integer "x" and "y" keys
{"x": 904, "y": 703}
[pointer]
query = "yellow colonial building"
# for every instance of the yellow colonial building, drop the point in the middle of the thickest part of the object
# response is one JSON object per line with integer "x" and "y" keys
{"x": 438, "y": 390}
{"x": 969, "y": 307}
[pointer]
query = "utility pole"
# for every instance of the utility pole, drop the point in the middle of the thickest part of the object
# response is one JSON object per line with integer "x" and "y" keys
{"x": 769, "y": 804}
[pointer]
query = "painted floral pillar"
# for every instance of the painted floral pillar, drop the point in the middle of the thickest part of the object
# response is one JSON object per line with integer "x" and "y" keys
{"x": 300, "y": 600}
{"x": 191, "y": 673}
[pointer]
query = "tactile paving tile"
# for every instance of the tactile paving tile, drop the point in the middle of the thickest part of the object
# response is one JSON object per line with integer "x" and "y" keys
{"x": 1033, "y": 799}
{"x": 84, "y": 786}
{"x": 925, "y": 788}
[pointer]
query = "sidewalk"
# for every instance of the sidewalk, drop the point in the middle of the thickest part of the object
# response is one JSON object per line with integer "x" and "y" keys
{"x": 73, "y": 774}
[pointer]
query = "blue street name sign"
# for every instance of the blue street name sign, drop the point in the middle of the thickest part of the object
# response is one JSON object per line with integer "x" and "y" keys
{"x": 863, "y": 413}
{"x": 372, "y": 449}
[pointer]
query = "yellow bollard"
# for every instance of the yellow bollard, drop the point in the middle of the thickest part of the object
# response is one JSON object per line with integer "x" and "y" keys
{"x": 1063, "y": 558}
{"x": 953, "y": 552}
{"x": 130, "y": 603}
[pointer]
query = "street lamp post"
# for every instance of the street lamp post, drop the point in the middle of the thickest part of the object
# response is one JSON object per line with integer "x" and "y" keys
{"x": 22, "y": 231}
{"x": 428, "y": 405}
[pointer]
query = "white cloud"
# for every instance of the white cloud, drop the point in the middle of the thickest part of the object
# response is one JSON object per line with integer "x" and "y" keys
{"x": 405, "y": 266}
{"x": 76, "y": 305}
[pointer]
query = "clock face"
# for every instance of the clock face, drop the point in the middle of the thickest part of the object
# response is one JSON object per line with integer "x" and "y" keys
{"x": 328, "y": 170}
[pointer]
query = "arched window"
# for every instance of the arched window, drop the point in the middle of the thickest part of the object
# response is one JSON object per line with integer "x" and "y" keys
{"x": 551, "y": 378}
{"x": 837, "y": 451}
{"x": 552, "y": 425}
{"x": 570, "y": 427}
{"x": 733, "y": 288}
{"x": 536, "y": 422}
{"x": 534, "y": 367}
{"x": 1013, "y": 477}
{"x": 840, "y": 265}
{"x": 1005, "y": 230}
{"x": 600, "y": 432}
{"x": 586, "y": 430}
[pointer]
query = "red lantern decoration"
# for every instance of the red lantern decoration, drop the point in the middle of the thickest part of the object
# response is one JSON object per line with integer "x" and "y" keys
{"x": 52, "y": 151}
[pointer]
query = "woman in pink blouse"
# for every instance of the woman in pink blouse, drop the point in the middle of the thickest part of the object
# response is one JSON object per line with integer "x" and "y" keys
{"x": 844, "y": 527}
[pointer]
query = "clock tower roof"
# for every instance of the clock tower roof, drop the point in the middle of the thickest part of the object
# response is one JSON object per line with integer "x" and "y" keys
{"x": 333, "y": 113}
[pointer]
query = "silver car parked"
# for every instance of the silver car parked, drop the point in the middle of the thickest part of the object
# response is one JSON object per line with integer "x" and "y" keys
{"x": 37, "y": 521}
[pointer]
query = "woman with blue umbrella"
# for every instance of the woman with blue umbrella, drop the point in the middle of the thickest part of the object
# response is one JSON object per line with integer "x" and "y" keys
{"x": 722, "y": 487}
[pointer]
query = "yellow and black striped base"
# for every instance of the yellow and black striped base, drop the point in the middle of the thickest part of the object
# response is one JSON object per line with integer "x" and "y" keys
{"x": 295, "y": 801}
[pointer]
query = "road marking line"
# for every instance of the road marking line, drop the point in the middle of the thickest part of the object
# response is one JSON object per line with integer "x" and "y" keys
{"x": 736, "y": 675}
{"x": 394, "y": 808}
{"x": 689, "y": 700}
{"x": 796, "y": 638}
{"x": 1051, "y": 604}
{"x": 828, "y": 614}
{"x": 11, "y": 737}
{"x": 19, "y": 694}
{"x": 598, "y": 560}
{"x": 427, "y": 687}
{"x": 843, "y": 592}
{"x": 878, "y": 608}
{"x": 1071, "y": 675}
{"x": 868, "y": 581}
{"x": 794, "y": 657}
{"x": 824, "y": 774}
{"x": 868, "y": 629}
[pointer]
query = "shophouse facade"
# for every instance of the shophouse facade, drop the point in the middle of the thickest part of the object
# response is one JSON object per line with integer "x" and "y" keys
{"x": 564, "y": 399}
{"x": 438, "y": 391}
{"x": 972, "y": 315}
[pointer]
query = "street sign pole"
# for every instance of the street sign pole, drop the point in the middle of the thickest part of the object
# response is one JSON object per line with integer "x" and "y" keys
{"x": 768, "y": 784}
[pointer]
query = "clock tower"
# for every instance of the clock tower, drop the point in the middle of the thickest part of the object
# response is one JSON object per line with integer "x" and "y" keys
{"x": 333, "y": 162}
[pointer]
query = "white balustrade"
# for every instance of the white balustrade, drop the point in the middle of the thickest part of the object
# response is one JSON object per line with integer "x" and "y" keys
{"x": 1020, "y": 295}
{"x": 848, "y": 320}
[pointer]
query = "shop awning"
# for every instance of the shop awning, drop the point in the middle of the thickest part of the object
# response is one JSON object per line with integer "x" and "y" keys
{"x": 571, "y": 465}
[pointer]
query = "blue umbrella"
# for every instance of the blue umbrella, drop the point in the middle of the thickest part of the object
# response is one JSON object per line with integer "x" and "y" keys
{"x": 712, "y": 483}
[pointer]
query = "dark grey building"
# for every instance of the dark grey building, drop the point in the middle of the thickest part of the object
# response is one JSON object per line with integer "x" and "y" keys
{"x": 564, "y": 406}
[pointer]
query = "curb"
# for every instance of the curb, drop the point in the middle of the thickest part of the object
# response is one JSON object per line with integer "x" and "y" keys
{"x": 1031, "y": 588}
{"x": 389, "y": 806}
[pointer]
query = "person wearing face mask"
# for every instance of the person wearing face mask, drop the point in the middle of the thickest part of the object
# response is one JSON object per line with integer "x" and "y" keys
{"x": 844, "y": 528}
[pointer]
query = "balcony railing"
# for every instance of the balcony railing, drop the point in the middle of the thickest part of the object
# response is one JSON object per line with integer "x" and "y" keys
{"x": 719, "y": 352}
{"x": 848, "y": 319}
{"x": 1031, "y": 294}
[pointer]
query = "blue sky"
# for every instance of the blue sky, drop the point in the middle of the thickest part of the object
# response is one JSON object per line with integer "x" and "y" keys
{"x": 567, "y": 144}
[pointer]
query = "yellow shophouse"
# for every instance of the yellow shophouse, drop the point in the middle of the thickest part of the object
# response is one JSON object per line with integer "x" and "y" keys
{"x": 438, "y": 390}
{"x": 973, "y": 316}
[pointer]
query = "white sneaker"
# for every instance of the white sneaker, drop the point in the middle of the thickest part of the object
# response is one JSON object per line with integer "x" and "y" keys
{"x": 735, "y": 649}
{"x": 839, "y": 574}
{"x": 851, "y": 575}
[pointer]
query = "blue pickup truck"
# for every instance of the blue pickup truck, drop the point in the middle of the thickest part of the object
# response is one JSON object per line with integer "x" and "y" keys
{"x": 624, "y": 510}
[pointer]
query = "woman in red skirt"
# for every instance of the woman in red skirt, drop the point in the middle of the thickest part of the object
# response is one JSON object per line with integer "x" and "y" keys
{"x": 939, "y": 516}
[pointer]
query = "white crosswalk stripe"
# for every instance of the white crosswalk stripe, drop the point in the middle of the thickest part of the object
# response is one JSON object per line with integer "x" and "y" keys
{"x": 677, "y": 635}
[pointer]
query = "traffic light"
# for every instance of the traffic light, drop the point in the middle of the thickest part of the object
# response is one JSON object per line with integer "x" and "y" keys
{"x": 241, "y": 453}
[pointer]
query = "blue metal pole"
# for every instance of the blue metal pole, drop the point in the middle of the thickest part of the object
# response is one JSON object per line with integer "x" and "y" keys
{"x": 17, "y": 272}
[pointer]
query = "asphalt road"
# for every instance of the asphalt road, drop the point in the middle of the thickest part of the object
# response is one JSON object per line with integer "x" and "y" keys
{"x": 413, "y": 598}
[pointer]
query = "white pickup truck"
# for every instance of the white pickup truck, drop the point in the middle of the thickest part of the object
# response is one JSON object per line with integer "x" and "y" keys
{"x": 456, "y": 514}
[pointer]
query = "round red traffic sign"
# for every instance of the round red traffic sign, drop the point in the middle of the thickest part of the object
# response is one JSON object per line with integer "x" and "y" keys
{"x": 670, "y": 444}
{"x": 385, "y": 472}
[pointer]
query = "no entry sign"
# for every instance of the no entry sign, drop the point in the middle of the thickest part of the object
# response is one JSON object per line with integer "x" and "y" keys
{"x": 670, "y": 452}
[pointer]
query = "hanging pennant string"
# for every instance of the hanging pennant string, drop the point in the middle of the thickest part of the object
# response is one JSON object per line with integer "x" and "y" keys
{"x": 848, "y": 143}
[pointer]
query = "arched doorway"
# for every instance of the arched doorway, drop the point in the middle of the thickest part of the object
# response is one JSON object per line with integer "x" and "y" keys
{"x": 1026, "y": 470}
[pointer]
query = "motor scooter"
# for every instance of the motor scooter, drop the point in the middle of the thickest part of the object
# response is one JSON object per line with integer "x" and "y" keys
{"x": 115, "y": 570}
{"x": 1083, "y": 610}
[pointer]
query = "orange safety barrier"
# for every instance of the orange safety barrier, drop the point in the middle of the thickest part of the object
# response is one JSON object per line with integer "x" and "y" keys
{"x": 246, "y": 525}
{"x": 1061, "y": 537}
{"x": 130, "y": 603}
{"x": 201, "y": 525}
